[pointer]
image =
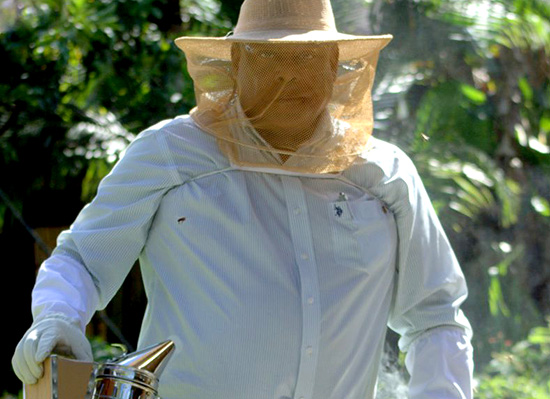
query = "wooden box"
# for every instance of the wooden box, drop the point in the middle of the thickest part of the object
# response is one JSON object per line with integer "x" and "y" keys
{"x": 63, "y": 379}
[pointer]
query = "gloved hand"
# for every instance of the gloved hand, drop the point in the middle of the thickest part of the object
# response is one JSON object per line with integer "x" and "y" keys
{"x": 52, "y": 334}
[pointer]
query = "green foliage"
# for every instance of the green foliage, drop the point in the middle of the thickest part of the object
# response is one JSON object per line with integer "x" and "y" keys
{"x": 103, "y": 351}
{"x": 466, "y": 184}
{"x": 7, "y": 395}
{"x": 520, "y": 372}
{"x": 81, "y": 78}
{"x": 541, "y": 206}
{"x": 452, "y": 112}
{"x": 496, "y": 299}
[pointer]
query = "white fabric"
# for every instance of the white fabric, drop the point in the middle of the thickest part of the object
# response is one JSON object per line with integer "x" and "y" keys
{"x": 271, "y": 285}
{"x": 53, "y": 333}
{"x": 441, "y": 376}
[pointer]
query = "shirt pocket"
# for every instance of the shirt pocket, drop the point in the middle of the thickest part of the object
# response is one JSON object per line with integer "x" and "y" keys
{"x": 363, "y": 233}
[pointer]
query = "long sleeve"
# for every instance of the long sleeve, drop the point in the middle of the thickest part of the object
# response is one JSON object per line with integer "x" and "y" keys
{"x": 426, "y": 308}
{"x": 94, "y": 256}
{"x": 429, "y": 287}
{"x": 441, "y": 365}
{"x": 430, "y": 284}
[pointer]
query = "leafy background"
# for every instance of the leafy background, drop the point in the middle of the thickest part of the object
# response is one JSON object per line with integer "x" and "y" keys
{"x": 463, "y": 88}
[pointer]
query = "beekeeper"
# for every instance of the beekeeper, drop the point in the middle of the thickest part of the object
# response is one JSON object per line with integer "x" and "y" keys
{"x": 277, "y": 238}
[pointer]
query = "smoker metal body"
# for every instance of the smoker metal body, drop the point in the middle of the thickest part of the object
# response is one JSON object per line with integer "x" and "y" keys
{"x": 114, "y": 382}
{"x": 132, "y": 376}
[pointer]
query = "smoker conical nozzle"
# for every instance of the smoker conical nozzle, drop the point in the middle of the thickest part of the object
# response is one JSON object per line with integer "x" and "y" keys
{"x": 152, "y": 359}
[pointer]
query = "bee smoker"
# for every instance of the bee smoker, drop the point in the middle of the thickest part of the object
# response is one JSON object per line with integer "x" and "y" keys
{"x": 133, "y": 376}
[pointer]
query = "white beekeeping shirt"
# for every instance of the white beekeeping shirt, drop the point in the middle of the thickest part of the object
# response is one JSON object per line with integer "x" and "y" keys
{"x": 272, "y": 285}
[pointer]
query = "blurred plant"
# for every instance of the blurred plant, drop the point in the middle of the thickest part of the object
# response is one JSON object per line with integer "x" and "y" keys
{"x": 103, "y": 351}
{"x": 497, "y": 301}
{"x": 7, "y": 395}
{"x": 81, "y": 77}
{"x": 520, "y": 372}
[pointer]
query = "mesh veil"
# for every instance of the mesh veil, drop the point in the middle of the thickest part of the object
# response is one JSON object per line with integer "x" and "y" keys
{"x": 297, "y": 106}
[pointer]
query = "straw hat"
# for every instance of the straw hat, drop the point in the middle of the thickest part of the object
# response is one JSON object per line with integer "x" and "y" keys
{"x": 285, "y": 21}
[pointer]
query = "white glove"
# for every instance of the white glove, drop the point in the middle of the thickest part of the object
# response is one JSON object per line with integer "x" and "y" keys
{"x": 52, "y": 334}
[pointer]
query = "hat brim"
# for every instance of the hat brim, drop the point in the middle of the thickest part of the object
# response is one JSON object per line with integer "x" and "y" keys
{"x": 350, "y": 46}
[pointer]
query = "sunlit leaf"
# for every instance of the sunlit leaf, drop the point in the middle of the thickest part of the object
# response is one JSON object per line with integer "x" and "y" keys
{"x": 540, "y": 335}
{"x": 526, "y": 89}
{"x": 541, "y": 205}
{"x": 462, "y": 209}
{"x": 473, "y": 94}
{"x": 545, "y": 123}
{"x": 496, "y": 298}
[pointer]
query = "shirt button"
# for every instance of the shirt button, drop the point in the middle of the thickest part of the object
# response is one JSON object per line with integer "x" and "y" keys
{"x": 310, "y": 300}
{"x": 309, "y": 350}
{"x": 297, "y": 211}
{"x": 305, "y": 256}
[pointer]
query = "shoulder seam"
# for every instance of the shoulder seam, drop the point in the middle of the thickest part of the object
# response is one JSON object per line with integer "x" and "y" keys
{"x": 166, "y": 154}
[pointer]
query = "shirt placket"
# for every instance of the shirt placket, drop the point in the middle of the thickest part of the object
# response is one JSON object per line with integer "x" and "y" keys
{"x": 301, "y": 235}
